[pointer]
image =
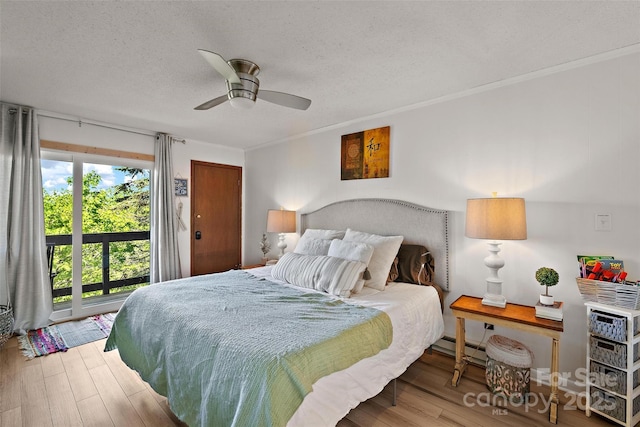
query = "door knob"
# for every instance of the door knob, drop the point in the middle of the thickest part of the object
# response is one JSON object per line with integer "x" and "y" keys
{"x": 198, "y": 235}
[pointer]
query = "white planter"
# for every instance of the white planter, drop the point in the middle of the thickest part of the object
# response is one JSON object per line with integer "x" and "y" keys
{"x": 546, "y": 300}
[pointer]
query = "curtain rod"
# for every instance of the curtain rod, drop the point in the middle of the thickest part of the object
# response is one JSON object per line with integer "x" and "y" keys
{"x": 80, "y": 123}
{"x": 15, "y": 110}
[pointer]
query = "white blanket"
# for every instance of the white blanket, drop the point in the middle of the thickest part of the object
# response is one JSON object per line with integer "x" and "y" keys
{"x": 417, "y": 322}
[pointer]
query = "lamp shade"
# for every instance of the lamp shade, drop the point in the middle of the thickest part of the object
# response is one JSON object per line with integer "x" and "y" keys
{"x": 281, "y": 221}
{"x": 496, "y": 218}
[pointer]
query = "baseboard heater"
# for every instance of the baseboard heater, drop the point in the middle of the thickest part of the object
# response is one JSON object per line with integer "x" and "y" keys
{"x": 476, "y": 354}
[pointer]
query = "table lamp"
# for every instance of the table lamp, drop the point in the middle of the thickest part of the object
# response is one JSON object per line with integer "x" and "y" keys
{"x": 281, "y": 221}
{"x": 496, "y": 218}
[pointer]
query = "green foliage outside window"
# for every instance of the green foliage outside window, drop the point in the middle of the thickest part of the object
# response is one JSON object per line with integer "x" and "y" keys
{"x": 119, "y": 208}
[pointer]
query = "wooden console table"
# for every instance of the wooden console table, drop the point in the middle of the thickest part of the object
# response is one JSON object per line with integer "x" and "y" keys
{"x": 514, "y": 316}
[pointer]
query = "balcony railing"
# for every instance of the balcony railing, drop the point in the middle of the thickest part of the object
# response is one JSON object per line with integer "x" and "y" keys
{"x": 106, "y": 285}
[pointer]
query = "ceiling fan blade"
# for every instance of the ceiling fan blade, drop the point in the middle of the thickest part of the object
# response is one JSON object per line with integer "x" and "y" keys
{"x": 220, "y": 65}
{"x": 210, "y": 104}
{"x": 284, "y": 99}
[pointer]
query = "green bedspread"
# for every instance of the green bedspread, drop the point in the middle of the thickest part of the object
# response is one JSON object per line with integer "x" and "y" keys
{"x": 230, "y": 349}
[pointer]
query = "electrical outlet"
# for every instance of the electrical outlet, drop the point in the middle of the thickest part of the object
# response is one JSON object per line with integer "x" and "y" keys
{"x": 488, "y": 326}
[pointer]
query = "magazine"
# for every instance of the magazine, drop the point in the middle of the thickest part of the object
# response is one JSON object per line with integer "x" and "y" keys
{"x": 608, "y": 270}
{"x": 587, "y": 262}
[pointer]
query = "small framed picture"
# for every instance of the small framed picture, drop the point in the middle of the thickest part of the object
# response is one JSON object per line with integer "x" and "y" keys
{"x": 182, "y": 187}
{"x": 365, "y": 154}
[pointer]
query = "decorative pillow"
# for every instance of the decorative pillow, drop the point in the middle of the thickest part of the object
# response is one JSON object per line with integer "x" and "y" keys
{"x": 353, "y": 251}
{"x": 415, "y": 264}
{"x": 335, "y": 276}
{"x": 385, "y": 249}
{"x": 393, "y": 273}
{"x": 312, "y": 246}
{"x": 317, "y": 233}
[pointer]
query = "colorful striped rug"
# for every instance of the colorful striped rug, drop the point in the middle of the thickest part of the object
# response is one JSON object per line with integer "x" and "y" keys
{"x": 63, "y": 336}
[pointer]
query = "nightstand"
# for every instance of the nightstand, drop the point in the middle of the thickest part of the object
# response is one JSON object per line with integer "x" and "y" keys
{"x": 514, "y": 316}
{"x": 247, "y": 267}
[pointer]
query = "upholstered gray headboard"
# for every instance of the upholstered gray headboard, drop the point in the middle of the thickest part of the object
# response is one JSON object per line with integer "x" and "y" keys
{"x": 418, "y": 225}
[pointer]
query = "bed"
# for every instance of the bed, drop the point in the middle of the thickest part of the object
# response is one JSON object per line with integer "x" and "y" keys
{"x": 293, "y": 344}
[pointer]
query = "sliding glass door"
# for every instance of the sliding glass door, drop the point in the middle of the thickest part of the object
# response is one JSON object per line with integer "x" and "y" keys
{"x": 97, "y": 223}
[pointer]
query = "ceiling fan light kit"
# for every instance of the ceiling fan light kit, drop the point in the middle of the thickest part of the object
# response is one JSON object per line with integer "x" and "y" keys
{"x": 243, "y": 95}
{"x": 243, "y": 85}
{"x": 241, "y": 103}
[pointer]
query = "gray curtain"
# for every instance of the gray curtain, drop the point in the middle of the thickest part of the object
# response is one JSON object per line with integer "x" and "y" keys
{"x": 23, "y": 258}
{"x": 165, "y": 259}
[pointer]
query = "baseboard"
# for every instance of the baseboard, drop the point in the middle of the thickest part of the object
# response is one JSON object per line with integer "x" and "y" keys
{"x": 475, "y": 352}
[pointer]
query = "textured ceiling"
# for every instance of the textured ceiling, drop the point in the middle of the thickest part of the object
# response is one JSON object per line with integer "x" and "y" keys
{"x": 136, "y": 63}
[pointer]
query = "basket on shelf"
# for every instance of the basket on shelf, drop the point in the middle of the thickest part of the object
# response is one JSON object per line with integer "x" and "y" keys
{"x": 6, "y": 323}
{"x": 616, "y": 294}
{"x": 6, "y": 320}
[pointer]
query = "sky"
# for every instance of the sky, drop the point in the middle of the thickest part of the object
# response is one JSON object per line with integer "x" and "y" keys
{"x": 55, "y": 174}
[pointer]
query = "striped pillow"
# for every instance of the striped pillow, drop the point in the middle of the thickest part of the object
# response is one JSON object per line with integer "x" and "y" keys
{"x": 335, "y": 276}
{"x": 353, "y": 251}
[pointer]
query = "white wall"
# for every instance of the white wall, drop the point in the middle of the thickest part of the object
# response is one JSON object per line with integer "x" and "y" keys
{"x": 566, "y": 141}
{"x": 95, "y": 136}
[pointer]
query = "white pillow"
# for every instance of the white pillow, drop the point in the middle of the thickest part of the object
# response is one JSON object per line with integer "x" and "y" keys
{"x": 335, "y": 276}
{"x": 317, "y": 233}
{"x": 352, "y": 251}
{"x": 312, "y": 246}
{"x": 385, "y": 249}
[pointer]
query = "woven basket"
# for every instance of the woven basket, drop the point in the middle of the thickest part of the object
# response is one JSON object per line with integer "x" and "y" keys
{"x": 6, "y": 323}
{"x": 612, "y": 405}
{"x": 611, "y": 379}
{"x": 610, "y": 352}
{"x": 609, "y": 326}
{"x": 616, "y": 294}
{"x": 508, "y": 367}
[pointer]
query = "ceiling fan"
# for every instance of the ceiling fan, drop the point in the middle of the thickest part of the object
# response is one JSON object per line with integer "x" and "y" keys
{"x": 243, "y": 85}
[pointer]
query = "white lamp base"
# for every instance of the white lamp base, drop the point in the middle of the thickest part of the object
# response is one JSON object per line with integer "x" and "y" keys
{"x": 494, "y": 296}
{"x": 281, "y": 244}
{"x": 494, "y": 300}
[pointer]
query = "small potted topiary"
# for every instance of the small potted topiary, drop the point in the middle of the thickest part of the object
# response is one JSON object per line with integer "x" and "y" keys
{"x": 265, "y": 247}
{"x": 547, "y": 277}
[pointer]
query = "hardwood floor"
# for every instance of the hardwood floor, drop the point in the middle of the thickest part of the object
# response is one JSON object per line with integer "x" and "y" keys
{"x": 87, "y": 387}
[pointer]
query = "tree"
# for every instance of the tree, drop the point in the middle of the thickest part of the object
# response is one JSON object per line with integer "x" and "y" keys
{"x": 547, "y": 277}
{"x": 119, "y": 208}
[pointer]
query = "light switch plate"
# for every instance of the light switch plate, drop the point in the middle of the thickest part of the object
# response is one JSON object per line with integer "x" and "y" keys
{"x": 603, "y": 222}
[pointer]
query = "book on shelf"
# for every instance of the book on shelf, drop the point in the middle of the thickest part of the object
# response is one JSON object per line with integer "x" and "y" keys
{"x": 608, "y": 270}
{"x": 552, "y": 312}
{"x": 588, "y": 262}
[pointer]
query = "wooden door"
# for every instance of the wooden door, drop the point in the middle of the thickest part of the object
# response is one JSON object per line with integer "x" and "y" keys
{"x": 215, "y": 217}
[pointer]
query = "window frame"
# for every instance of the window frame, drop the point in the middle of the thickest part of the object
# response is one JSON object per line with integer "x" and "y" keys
{"x": 78, "y": 159}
